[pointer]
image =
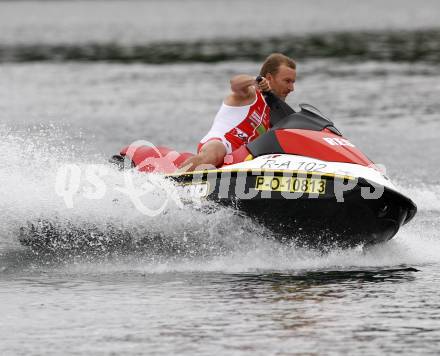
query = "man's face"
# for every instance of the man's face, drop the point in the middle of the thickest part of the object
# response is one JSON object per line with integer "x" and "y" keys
{"x": 283, "y": 82}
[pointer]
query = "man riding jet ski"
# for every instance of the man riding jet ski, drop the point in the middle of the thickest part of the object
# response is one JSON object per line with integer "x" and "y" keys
{"x": 299, "y": 176}
{"x": 244, "y": 114}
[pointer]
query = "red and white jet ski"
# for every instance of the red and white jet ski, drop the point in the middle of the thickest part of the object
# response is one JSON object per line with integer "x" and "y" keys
{"x": 302, "y": 179}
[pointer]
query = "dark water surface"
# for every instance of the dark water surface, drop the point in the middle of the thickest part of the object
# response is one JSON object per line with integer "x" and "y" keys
{"x": 100, "y": 309}
{"x": 214, "y": 282}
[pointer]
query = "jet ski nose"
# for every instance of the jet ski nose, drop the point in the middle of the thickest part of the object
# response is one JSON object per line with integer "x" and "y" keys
{"x": 383, "y": 210}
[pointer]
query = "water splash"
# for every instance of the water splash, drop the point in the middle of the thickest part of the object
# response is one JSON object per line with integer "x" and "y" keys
{"x": 31, "y": 205}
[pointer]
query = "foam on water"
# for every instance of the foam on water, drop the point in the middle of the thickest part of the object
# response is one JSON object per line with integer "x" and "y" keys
{"x": 202, "y": 237}
{"x": 29, "y": 178}
{"x": 409, "y": 248}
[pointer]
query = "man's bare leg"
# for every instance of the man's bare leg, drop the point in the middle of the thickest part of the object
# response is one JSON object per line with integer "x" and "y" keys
{"x": 211, "y": 154}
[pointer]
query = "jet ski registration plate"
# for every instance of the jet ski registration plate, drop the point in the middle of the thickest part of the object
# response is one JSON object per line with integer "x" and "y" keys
{"x": 291, "y": 184}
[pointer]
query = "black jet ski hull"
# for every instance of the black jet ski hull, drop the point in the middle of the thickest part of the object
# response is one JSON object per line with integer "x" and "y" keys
{"x": 313, "y": 219}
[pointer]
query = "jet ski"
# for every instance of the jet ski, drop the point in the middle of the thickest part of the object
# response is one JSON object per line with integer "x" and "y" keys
{"x": 302, "y": 179}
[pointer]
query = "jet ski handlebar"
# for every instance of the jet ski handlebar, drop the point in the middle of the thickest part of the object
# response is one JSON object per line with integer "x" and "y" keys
{"x": 278, "y": 108}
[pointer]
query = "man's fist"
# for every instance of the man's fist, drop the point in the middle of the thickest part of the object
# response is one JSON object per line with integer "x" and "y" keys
{"x": 262, "y": 84}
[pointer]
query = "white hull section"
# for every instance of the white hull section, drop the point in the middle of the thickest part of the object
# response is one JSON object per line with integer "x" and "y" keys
{"x": 293, "y": 163}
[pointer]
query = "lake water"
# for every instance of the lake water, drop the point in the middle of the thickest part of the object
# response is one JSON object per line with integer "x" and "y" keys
{"x": 79, "y": 80}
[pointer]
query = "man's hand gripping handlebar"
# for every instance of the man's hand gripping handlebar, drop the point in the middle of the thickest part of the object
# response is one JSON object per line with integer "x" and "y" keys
{"x": 262, "y": 84}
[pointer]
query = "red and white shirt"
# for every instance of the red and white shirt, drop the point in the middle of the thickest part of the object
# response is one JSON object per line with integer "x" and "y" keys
{"x": 235, "y": 126}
